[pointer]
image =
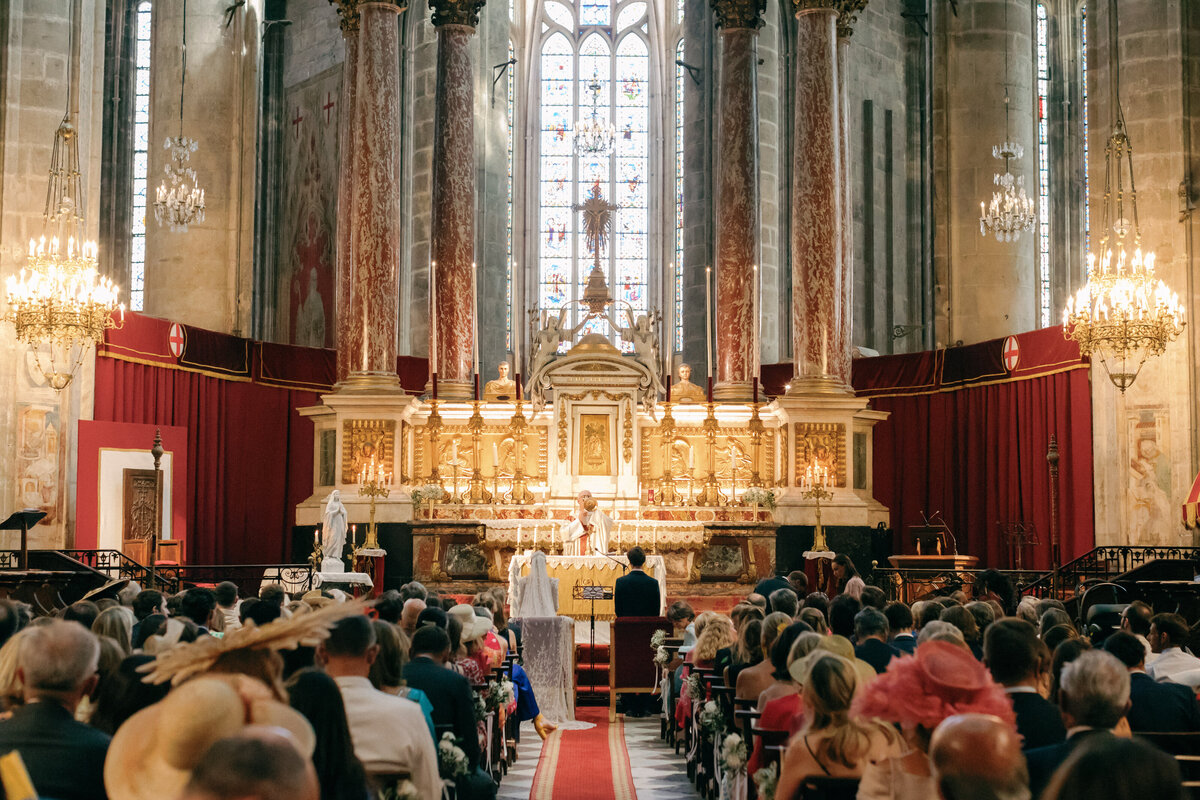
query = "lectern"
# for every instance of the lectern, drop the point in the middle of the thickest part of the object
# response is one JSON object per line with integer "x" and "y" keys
{"x": 22, "y": 521}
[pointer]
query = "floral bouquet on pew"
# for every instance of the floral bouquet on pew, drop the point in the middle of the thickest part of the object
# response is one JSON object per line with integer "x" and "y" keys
{"x": 403, "y": 790}
{"x": 733, "y": 753}
{"x": 766, "y": 779}
{"x": 662, "y": 657}
{"x": 481, "y": 707}
{"x": 658, "y": 639}
{"x": 694, "y": 687}
{"x": 452, "y": 759}
{"x": 712, "y": 719}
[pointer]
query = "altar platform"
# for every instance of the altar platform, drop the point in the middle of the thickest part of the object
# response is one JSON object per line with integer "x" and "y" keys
{"x": 572, "y": 571}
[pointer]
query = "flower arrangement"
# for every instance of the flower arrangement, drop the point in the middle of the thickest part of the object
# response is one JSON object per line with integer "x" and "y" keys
{"x": 481, "y": 707}
{"x": 766, "y": 779}
{"x": 499, "y": 695}
{"x": 658, "y": 639}
{"x": 733, "y": 753}
{"x": 711, "y": 719}
{"x": 662, "y": 657}
{"x": 430, "y": 493}
{"x": 758, "y": 496}
{"x": 452, "y": 759}
{"x": 402, "y": 790}
{"x": 694, "y": 687}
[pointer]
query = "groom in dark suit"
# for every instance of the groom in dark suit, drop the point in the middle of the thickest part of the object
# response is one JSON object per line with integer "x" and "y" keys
{"x": 637, "y": 595}
{"x": 1153, "y": 706}
{"x": 1017, "y": 660}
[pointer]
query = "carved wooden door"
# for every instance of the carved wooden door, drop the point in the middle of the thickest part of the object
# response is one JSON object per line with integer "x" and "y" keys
{"x": 141, "y": 508}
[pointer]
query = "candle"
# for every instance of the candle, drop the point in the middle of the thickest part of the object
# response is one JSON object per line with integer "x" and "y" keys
{"x": 519, "y": 387}
{"x": 476, "y": 379}
{"x": 708, "y": 323}
{"x": 433, "y": 342}
{"x": 454, "y": 450}
{"x": 710, "y": 387}
{"x": 516, "y": 339}
{"x": 475, "y": 324}
{"x": 518, "y": 536}
{"x": 637, "y": 526}
{"x": 754, "y": 381}
{"x": 495, "y": 457}
{"x": 755, "y": 333}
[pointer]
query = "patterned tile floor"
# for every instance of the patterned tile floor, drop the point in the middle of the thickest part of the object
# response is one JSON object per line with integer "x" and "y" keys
{"x": 658, "y": 773}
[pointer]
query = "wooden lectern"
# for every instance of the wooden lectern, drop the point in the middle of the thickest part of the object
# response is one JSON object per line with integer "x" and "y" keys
{"x": 937, "y": 554}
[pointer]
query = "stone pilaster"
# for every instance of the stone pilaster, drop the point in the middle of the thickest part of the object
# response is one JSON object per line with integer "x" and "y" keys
{"x": 817, "y": 198}
{"x": 453, "y": 227}
{"x": 737, "y": 224}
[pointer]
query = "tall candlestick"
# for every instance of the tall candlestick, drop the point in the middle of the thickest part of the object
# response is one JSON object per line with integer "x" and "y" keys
{"x": 708, "y": 318}
{"x": 516, "y": 336}
{"x": 495, "y": 458}
{"x": 754, "y": 380}
{"x": 755, "y": 332}
{"x": 519, "y": 386}
{"x": 475, "y": 323}
{"x": 710, "y": 389}
{"x": 477, "y": 381}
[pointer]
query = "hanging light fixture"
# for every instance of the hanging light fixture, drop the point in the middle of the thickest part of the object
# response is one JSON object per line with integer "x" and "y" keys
{"x": 595, "y": 136}
{"x": 180, "y": 201}
{"x": 59, "y": 304}
{"x": 1010, "y": 211}
{"x": 1123, "y": 314}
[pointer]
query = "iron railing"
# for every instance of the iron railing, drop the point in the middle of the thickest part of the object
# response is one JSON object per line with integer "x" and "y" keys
{"x": 118, "y": 566}
{"x": 1102, "y": 564}
{"x": 907, "y": 585}
{"x": 296, "y": 579}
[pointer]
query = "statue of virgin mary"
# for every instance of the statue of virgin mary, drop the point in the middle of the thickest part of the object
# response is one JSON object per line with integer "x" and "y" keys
{"x": 333, "y": 533}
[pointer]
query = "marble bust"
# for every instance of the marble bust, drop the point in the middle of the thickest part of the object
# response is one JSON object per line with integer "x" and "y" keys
{"x": 684, "y": 391}
{"x": 503, "y": 388}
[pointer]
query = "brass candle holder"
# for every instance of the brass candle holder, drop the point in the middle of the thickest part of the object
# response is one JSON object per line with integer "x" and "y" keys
{"x": 518, "y": 493}
{"x": 711, "y": 494}
{"x": 373, "y": 488}
{"x": 667, "y": 493}
{"x": 756, "y": 434}
{"x": 818, "y": 493}
{"x": 477, "y": 492}
{"x": 433, "y": 427}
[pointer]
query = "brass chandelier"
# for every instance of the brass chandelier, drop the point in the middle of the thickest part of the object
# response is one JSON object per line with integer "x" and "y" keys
{"x": 179, "y": 201}
{"x": 59, "y": 304}
{"x": 1124, "y": 314}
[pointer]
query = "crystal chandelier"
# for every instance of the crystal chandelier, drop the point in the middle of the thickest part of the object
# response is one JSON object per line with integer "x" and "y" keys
{"x": 1123, "y": 314}
{"x": 1011, "y": 210}
{"x": 180, "y": 201}
{"x": 595, "y": 136}
{"x": 59, "y": 304}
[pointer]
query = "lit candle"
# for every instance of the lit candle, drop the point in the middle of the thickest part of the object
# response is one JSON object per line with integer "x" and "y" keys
{"x": 496, "y": 457}
{"x": 518, "y": 536}
{"x": 708, "y": 320}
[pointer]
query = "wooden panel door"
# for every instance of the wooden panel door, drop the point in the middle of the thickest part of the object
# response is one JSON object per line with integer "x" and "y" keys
{"x": 141, "y": 510}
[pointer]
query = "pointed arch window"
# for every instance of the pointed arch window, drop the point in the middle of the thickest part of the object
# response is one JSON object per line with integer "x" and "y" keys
{"x": 1043, "y": 160}
{"x": 141, "y": 142}
{"x": 593, "y": 57}
{"x": 679, "y": 89}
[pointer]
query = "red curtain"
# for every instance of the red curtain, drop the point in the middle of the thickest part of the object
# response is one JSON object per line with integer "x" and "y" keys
{"x": 977, "y": 452}
{"x": 250, "y": 455}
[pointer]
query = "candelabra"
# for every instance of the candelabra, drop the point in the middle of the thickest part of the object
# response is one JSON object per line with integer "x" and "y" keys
{"x": 756, "y": 434}
{"x": 477, "y": 492}
{"x": 814, "y": 486}
{"x": 373, "y": 482}
{"x": 433, "y": 426}
{"x": 518, "y": 493}
{"x": 667, "y": 494}
{"x": 711, "y": 494}
{"x": 317, "y": 555}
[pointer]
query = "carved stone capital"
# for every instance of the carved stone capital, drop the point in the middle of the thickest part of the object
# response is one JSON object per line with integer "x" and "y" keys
{"x": 456, "y": 12}
{"x": 348, "y": 12}
{"x": 848, "y": 11}
{"x": 799, "y": 6}
{"x": 739, "y": 14}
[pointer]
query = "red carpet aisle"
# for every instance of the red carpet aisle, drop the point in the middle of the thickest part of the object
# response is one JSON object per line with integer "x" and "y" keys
{"x": 585, "y": 765}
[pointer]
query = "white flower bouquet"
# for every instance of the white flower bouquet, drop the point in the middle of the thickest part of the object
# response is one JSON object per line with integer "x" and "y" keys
{"x": 711, "y": 718}
{"x": 758, "y": 496}
{"x": 452, "y": 759}
{"x": 766, "y": 779}
{"x": 662, "y": 656}
{"x": 427, "y": 495}
{"x": 658, "y": 639}
{"x": 733, "y": 753}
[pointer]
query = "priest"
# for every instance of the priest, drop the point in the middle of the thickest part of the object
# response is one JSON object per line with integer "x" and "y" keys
{"x": 588, "y": 529}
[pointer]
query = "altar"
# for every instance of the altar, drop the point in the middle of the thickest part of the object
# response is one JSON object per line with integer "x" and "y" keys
{"x": 572, "y": 571}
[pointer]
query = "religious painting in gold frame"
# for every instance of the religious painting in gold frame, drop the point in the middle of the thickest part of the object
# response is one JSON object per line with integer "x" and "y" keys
{"x": 825, "y": 443}
{"x": 363, "y": 439}
{"x": 595, "y": 456}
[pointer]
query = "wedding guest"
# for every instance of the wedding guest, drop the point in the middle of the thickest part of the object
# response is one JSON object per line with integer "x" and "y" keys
{"x": 123, "y": 694}
{"x": 846, "y": 578}
{"x": 977, "y": 757}
{"x": 340, "y": 774}
{"x": 1116, "y": 769}
{"x": 1153, "y": 706}
{"x": 1019, "y": 662}
{"x": 900, "y": 624}
{"x": 260, "y": 762}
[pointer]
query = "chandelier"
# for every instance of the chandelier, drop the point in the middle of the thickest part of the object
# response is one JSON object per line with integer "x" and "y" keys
{"x": 595, "y": 136}
{"x": 180, "y": 201}
{"x": 1011, "y": 210}
{"x": 1123, "y": 314}
{"x": 59, "y": 304}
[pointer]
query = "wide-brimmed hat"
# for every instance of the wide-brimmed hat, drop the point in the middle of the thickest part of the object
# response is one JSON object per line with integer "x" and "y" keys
{"x": 473, "y": 627}
{"x": 152, "y": 755}
{"x": 839, "y": 646}
{"x": 941, "y": 680}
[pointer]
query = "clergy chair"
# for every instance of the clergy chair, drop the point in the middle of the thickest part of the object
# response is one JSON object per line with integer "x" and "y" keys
{"x": 631, "y": 660}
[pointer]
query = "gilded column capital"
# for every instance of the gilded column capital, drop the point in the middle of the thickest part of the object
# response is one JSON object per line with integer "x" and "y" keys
{"x": 848, "y": 11}
{"x": 739, "y": 14}
{"x": 800, "y": 6}
{"x": 348, "y": 12}
{"x": 456, "y": 12}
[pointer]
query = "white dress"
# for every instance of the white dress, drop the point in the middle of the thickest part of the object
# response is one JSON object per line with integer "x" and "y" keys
{"x": 597, "y": 543}
{"x": 537, "y": 593}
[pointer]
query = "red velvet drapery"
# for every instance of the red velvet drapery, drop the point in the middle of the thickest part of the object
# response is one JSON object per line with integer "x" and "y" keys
{"x": 968, "y": 436}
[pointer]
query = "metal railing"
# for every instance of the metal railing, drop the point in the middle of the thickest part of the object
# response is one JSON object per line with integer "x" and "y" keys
{"x": 296, "y": 579}
{"x": 907, "y": 585}
{"x": 118, "y": 566}
{"x": 1102, "y": 564}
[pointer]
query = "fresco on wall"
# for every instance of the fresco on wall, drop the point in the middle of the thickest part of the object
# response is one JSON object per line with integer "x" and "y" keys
{"x": 308, "y": 223}
{"x": 40, "y": 469}
{"x": 1150, "y": 514}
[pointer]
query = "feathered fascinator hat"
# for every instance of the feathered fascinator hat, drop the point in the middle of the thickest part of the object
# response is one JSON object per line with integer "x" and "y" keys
{"x": 304, "y": 630}
{"x": 941, "y": 680}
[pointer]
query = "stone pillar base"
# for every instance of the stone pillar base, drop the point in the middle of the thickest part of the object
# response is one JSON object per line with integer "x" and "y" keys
{"x": 734, "y": 392}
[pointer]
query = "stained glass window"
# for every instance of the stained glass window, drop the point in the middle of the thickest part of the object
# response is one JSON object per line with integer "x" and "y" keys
{"x": 1043, "y": 160}
{"x": 508, "y": 234}
{"x": 589, "y": 65}
{"x": 679, "y": 87}
{"x": 141, "y": 141}
{"x": 1083, "y": 78}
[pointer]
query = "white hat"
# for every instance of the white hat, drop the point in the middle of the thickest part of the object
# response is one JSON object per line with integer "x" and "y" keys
{"x": 473, "y": 627}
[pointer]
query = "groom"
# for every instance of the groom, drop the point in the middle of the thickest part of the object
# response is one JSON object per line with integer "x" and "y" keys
{"x": 587, "y": 533}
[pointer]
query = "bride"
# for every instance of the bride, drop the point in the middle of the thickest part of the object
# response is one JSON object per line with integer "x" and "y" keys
{"x": 536, "y": 594}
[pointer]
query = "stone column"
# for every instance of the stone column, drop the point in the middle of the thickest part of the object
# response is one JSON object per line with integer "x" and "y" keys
{"x": 817, "y": 198}
{"x": 453, "y": 236}
{"x": 346, "y": 335}
{"x": 369, "y": 187}
{"x": 737, "y": 224}
{"x": 847, "y": 16}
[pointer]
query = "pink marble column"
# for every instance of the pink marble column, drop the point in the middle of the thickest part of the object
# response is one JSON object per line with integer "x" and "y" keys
{"x": 346, "y": 334}
{"x": 818, "y": 195}
{"x": 845, "y": 335}
{"x": 737, "y": 199}
{"x": 453, "y": 235}
{"x": 371, "y": 167}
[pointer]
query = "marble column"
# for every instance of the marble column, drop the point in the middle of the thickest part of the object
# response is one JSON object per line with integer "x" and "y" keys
{"x": 369, "y": 185}
{"x": 453, "y": 234}
{"x": 345, "y": 334}
{"x": 818, "y": 195}
{"x": 737, "y": 225}
{"x": 848, "y": 11}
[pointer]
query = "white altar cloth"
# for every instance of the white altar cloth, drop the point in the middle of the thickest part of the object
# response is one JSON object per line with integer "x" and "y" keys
{"x": 597, "y": 570}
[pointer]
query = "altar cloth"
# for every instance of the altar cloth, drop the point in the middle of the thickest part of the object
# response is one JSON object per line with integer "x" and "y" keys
{"x": 587, "y": 571}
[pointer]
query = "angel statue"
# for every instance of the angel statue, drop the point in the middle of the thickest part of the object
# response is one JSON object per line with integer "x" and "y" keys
{"x": 640, "y": 333}
{"x": 333, "y": 533}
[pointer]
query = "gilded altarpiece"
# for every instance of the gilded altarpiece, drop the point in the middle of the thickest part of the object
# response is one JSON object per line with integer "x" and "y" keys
{"x": 498, "y": 453}
{"x": 734, "y": 451}
{"x": 364, "y": 439}
{"x": 823, "y": 443}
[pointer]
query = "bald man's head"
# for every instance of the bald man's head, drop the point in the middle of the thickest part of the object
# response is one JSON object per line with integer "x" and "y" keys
{"x": 410, "y": 613}
{"x": 978, "y": 757}
{"x": 259, "y": 763}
